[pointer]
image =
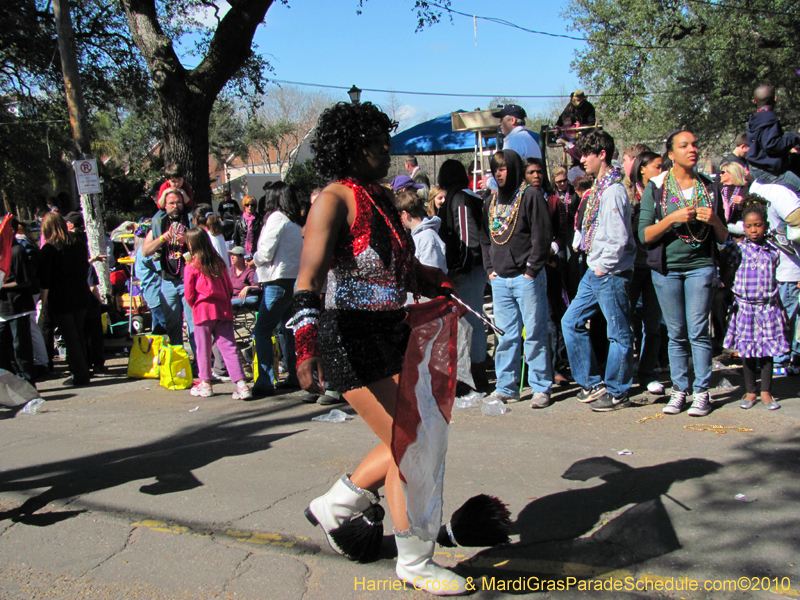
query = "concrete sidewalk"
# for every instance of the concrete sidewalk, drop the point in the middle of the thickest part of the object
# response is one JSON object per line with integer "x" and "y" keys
{"x": 138, "y": 495}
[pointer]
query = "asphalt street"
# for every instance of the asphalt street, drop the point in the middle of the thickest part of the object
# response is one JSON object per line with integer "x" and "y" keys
{"x": 126, "y": 490}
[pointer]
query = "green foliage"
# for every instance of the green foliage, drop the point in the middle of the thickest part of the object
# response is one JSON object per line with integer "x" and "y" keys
{"x": 305, "y": 177}
{"x": 111, "y": 67}
{"x": 124, "y": 192}
{"x": 686, "y": 63}
{"x": 31, "y": 164}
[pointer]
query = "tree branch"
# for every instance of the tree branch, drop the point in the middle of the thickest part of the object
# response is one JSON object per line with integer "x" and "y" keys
{"x": 159, "y": 54}
{"x": 230, "y": 47}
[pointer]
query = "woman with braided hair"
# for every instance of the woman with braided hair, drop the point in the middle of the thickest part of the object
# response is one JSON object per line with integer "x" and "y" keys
{"x": 355, "y": 238}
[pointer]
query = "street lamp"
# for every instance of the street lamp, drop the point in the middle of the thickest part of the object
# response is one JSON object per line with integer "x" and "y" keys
{"x": 355, "y": 95}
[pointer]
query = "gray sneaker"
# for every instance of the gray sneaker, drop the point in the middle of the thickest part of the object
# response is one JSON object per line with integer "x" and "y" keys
{"x": 330, "y": 397}
{"x": 675, "y": 404}
{"x": 540, "y": 400}
{"x": 701, "y": 405}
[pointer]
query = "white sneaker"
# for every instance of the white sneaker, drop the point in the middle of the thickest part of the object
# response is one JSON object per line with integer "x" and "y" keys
{"x": 242, "y": 391}
{"x": 202, "y": 389}
{"x": 675, "y": 404}
{"x": 700, "y": 405}
{"x": 655, "y": 387}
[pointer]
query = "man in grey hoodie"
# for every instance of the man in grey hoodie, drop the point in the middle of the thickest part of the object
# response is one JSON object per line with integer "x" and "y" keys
{"x": 607, "y": 238}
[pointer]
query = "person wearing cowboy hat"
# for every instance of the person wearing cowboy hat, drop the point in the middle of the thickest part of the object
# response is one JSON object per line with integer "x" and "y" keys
{"x": 578, "y": 113}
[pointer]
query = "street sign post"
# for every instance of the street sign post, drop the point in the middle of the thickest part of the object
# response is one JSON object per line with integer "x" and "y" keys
{"x": 87, "y": 177}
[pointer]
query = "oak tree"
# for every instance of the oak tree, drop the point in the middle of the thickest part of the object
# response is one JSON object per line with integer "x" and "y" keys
{"x": 687, "y": 63}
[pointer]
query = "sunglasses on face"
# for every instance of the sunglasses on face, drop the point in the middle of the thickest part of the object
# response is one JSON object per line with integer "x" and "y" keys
{"x": 724, "y": 173}
{"x": 560, "y": 181}
{"x": 250, "y": 204}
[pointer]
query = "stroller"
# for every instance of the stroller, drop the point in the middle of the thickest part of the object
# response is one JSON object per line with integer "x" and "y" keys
{"x": 127, "y": 292}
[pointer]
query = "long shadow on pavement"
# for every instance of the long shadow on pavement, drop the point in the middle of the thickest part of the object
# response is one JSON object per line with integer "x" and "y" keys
{"x": 170, "y": 461}
{"x": 553, "y": 529}
{"x": 623, "y": 522}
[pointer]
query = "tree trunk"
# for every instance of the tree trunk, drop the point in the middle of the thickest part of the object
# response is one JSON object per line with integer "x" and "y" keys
{"x": 187, "y": 97}
{"x": 90, "y": 204}
{"x": 185, "y": 120}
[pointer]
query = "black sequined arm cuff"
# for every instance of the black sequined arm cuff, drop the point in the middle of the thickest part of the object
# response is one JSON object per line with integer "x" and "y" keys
{"x": 306, "y": 306}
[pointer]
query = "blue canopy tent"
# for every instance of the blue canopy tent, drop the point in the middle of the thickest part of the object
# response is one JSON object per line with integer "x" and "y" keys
{"x": 437, "y": 137}
{"x": 434, "y": 137}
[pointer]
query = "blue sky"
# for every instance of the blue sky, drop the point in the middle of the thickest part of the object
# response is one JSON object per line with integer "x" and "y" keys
{"x": 326, "y": 42}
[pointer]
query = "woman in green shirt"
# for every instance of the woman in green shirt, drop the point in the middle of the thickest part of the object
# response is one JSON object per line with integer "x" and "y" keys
{"x": 681, "y": 219}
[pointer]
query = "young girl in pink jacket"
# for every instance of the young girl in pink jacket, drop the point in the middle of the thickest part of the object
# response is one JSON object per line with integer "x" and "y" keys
{"x": 208, "y": 290}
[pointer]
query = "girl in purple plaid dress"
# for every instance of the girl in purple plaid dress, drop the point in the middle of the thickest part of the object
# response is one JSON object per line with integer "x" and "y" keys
{"x": 758, "y": 326}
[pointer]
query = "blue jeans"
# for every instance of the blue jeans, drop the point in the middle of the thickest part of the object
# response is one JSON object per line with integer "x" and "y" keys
{"x": 609, "y": 295}
{"x": 685, "y": 298}
{"x": 275, "y": 304}
{"x": 176, "y": 308}
{"x": 250, "y": 302}
{"x": 650, "y": 316}
{"x": 470, "y": 288}
{"x": 521, "y": 301}
{"x": 790, "y": 294}
{"x": 158, "y": 324}
{"x": 787, "y": 179}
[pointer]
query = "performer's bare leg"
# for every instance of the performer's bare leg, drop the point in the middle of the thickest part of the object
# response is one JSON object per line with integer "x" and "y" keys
{"x": 375, "y": 404}
{"x": 371, "y": 473}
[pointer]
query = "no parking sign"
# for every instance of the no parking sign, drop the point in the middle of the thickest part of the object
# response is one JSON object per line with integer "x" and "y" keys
{"x": 87, "y": 177}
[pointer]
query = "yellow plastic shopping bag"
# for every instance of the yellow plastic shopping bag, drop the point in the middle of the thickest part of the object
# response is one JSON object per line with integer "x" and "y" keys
{"x": 143, "y": 360}
{"x": 176, "y": 370}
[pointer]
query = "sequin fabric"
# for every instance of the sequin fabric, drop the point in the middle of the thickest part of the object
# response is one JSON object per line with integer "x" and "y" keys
{"x": 371, "y": 264}
{"x": 359, "y": 347}
{"x": 362, "y": 331}
{"x": 305, "y": 323}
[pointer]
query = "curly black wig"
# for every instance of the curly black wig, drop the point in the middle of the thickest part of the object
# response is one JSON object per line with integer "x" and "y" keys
{"x": 753, "y": 203}
{"x": 343, "y": 131}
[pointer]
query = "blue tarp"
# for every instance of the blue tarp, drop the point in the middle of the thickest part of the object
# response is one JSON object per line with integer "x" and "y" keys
{"x": 437, "y": 137}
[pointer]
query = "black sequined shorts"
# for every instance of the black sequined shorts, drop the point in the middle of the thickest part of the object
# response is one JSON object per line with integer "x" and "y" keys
{"x": 360, "y": 347}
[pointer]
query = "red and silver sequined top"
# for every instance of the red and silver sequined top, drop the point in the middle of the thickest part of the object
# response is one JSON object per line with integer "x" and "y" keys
{"x": 371, "y": 264}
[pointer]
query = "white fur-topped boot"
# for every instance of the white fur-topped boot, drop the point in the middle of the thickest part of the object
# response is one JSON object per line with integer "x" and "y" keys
{"x": 340, "y": 504}
{"x": 415, "y": 566}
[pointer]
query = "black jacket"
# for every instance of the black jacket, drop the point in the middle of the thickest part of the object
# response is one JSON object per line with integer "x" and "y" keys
{"x": 460, "y": 214}
{"x": 583, "y": 114}
{"x": 769, "y": 146}
{"x": 17, "y": 299}
{"x": 240, "y": 231}
{"x": 529, "y": 247}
